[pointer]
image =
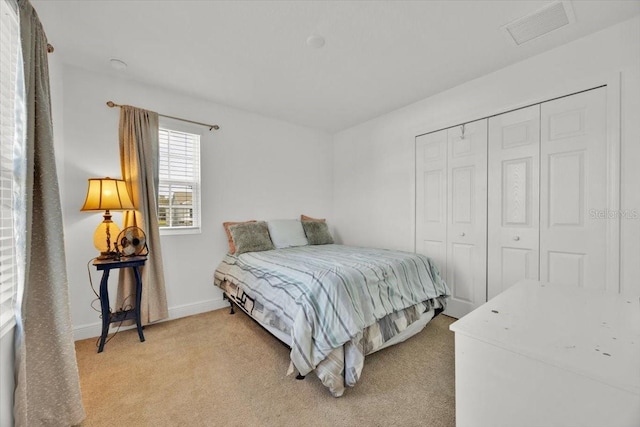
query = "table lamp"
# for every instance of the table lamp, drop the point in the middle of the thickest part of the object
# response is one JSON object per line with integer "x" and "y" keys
{"x": 107, "y": 194}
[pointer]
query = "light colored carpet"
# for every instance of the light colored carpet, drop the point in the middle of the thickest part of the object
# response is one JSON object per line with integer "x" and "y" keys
{"x": 216, "y": 369}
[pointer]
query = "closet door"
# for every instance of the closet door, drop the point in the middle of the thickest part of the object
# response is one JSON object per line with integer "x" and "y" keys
{"x": 513, "y": 210}
{"x": 467, "y": 217}
{"x": 431, "y": 198}
{"x": 573, "y": 190}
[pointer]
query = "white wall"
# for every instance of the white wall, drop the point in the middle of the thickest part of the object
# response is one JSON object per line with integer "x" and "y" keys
{"x": 374, "y": 172}
{"x": 6, "y": 378}
{"x": 252, "y": 168}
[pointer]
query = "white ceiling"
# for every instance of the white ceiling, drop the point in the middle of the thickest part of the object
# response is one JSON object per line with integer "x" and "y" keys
{"x": 378, "y": 56}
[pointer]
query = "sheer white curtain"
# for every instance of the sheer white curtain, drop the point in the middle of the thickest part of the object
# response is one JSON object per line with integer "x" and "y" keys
{"x": 11, "y": 162}
{"x": 47, "y": 385}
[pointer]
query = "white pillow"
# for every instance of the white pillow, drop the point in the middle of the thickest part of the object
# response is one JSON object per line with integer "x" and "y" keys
{"x": 286, "y": 233}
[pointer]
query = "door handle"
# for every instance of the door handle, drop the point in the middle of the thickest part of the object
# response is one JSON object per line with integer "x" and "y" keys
{"x": 462, "y": 234}
{"x": 516, "y": 238}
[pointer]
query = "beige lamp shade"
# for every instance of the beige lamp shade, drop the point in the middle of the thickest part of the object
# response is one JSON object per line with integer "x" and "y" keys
{"x": 106, "y": 194}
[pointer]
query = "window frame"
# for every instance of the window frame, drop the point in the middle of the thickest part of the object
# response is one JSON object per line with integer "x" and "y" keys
{"x": 196, "y": 185}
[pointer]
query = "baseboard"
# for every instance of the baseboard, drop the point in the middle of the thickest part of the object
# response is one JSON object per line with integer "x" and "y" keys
{"x": 93, "y": 330}
{"x": 196, "y": 308}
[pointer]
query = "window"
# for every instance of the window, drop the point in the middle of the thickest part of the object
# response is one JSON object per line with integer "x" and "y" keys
{"x": 179, "y": 189}
{"x": 11, "y": 109}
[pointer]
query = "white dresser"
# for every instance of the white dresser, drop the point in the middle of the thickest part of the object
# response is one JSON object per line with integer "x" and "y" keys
{"x": 541, "y": 354}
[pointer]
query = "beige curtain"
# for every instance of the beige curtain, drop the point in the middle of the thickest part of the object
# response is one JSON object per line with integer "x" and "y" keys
{"x": 47, "y": 386}
{"x": 139, "y": 163}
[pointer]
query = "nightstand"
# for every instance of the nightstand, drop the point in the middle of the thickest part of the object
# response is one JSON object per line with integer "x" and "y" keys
{"x": 106, "y": 266}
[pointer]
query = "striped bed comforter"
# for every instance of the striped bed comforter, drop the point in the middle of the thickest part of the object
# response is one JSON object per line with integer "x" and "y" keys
{"x": 331, "y": 294}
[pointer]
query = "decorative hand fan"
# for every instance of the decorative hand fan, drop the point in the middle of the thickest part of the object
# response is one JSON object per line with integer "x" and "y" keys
{"x": 132, "y": 242}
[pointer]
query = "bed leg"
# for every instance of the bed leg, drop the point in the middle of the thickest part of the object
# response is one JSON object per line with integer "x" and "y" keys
{"x": 225, "y": 296}
{"x": 299, "y": 377}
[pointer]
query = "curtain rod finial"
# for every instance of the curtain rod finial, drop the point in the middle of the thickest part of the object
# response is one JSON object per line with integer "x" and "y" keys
{"x": 216, "y": 127}
{"x": 111, "y": 104}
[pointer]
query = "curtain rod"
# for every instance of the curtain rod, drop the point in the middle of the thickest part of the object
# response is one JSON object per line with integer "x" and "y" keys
{"x": 112, "y": 104}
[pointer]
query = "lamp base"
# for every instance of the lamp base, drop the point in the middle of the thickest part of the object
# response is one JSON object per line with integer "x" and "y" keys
{"x": 106, "y": 231}
{"x": 108, "y": 255}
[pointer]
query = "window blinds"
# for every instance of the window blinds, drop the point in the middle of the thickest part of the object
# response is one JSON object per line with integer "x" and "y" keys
{"x": 9, "y": 57}
{"x": 179, "y": 188}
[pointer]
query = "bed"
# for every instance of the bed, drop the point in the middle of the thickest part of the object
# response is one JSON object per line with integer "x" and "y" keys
{"x": 333, "y": 304}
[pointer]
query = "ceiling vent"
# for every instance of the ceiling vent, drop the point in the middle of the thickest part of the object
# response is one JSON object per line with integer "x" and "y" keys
{"x": 543, "y": 21}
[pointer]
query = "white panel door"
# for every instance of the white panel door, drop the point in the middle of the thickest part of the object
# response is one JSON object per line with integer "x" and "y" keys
{"x": 467, "y": 217}
{"x": 431, "y": 198}
{"x": 513, "y": 210}
{"x": 573, "y": 190}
